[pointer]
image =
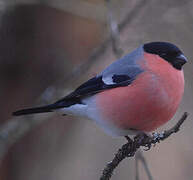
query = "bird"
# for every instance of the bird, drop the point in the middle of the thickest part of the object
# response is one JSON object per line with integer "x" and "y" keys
{"x": 137, "y": 93}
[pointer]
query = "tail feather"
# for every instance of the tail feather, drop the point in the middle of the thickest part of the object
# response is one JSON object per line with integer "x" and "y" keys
{"x": 42, "y": 109}
{"x": 48, "y": 108}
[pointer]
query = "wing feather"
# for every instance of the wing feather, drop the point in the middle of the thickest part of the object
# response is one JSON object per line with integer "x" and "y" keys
{"x": 95, "y": 85}
{"x": 120, "y": 73}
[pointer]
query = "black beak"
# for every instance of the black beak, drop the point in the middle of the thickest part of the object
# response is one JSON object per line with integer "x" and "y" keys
{"x": 181, "y": 60}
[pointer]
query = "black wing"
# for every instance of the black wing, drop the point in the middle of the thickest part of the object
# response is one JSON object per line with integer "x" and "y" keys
{"x": 95, "y": 85}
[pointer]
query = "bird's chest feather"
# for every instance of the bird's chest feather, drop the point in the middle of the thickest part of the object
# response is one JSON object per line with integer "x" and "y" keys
{"x": 147, "y": 103}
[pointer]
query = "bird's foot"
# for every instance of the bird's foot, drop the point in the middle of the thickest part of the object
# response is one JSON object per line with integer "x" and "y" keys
{"x": 144, "y": 139}
{"x": 147, "y": 140}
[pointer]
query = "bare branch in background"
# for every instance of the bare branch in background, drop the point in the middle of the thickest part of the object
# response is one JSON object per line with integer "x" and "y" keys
{"x": 17, "y": 127}
{"x": 129, "y": 149}
{"x": 140, "y": 157}
{"x": 115, "y": 37}
{"x": 98, "y": 52}
{"x": 14, "y": 130}
{"x": 133, "y": 13}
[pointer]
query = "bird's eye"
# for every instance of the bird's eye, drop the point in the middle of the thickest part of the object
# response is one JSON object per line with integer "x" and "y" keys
{"x": 169, "y": 54}
{"x": 163, "y": 54}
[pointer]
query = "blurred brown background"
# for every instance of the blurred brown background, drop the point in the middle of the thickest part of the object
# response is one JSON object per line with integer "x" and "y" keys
{"x": 47, "y": 48}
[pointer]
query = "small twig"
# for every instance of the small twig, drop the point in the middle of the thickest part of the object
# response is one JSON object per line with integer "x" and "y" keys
{"x": 136, "y": 168}
{"x": 129, "y": 149}
{"x": 114, "y": 29}
{"x": 140, "y": 157}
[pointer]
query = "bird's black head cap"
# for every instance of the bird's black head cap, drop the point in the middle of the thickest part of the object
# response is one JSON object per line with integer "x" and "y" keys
{"x": 168, "y": 52}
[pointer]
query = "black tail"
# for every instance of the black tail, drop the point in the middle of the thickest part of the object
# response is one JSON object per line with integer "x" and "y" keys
{"x": 49, "y": 108}
{"x": 42, "y": 109}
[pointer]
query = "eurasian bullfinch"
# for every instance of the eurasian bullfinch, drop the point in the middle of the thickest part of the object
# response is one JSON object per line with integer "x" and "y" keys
{"x": 137, "y": 93}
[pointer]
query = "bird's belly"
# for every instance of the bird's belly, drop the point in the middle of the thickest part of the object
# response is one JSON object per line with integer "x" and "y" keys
{"x": 144, "y": 105}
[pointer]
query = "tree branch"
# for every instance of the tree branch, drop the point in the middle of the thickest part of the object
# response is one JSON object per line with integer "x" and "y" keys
{"x": 114, "y": 29}
{"x": 129, "y": 149}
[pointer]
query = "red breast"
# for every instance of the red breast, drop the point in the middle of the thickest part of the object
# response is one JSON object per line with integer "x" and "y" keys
{"x": 149, "y": 102}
